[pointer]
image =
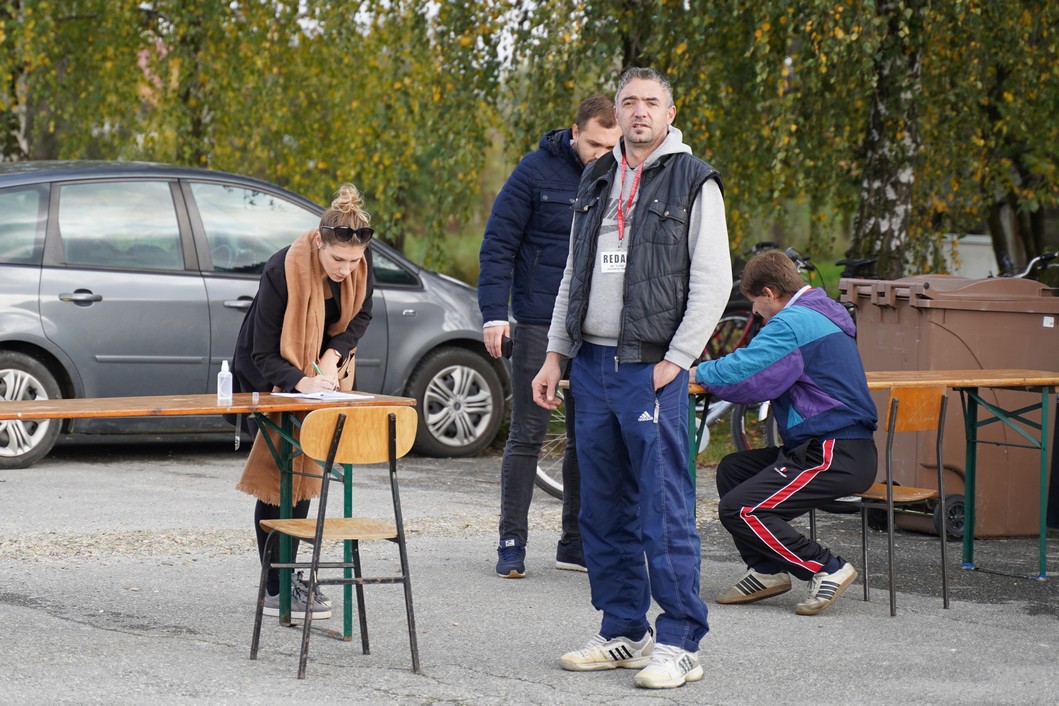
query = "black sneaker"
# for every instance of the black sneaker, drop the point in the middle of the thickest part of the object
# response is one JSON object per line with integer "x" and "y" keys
{"x": 512, "y": 559}
{"x": 570, "y": 556}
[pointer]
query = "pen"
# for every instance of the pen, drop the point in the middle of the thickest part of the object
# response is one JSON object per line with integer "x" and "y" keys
{"x": 318, "y": 371}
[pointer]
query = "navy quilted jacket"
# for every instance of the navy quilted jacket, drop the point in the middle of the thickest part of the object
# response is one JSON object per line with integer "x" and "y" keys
{"x": 528, "y": 234}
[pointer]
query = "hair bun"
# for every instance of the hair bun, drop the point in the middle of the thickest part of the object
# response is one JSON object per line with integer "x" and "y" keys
{"x": 348, "y": 199}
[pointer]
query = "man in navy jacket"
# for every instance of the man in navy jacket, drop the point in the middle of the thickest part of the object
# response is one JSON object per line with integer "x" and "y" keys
{"x": 522, "y": 259}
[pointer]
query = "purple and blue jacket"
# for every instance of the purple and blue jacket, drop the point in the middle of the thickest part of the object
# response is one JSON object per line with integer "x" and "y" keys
{"x": 804, "y": 360}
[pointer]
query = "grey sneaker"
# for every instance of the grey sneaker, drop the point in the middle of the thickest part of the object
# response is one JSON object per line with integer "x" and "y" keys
{"x": 754, "y": 586}
{"x": 319, "y": 598}
{"x": 824, "y": 589}
{"x": 297, "y": 607}
{"x": 599, "y": 653}
{"x": 670, "y": 667}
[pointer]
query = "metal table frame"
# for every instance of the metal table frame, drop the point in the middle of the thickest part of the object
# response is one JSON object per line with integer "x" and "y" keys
{"x": 967, "y": 383}
{"x": 258, "y": 404}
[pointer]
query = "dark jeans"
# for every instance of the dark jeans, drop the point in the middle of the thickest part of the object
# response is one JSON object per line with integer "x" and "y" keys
{"x": 529, "y": 423}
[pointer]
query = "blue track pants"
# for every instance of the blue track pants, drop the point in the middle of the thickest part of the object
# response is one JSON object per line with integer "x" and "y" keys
{"x": 637, "y": 499}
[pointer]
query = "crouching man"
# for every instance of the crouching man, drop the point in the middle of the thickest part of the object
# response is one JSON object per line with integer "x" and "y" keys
{"x": 805, "y": 360}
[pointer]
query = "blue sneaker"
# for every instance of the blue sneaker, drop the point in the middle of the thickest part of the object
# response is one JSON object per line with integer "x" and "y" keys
{"x": 512, "y": 561}
{"x": 570, "y": 556}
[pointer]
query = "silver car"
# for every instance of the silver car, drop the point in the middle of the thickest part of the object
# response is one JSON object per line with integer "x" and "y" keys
{"x": 121, "y": 278}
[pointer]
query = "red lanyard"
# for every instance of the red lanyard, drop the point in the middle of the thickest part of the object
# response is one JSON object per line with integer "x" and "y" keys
{"x": 632, "y": 195}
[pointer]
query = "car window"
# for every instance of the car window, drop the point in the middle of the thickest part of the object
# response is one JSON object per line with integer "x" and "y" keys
{"x": 244, "y": 227}
{"x": 22, "y": 218}
{"x": 124, "y": 224}
{"x": 388, "y": 272}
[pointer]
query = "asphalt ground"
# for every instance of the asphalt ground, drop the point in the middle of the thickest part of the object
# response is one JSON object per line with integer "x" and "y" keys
{"x": 128, "y": 575}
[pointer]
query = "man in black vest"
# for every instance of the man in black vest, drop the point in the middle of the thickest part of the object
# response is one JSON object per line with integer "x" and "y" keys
{"x": 647, "y": 278}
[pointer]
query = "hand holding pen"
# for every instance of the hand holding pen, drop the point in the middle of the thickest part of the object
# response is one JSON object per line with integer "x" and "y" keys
{"x": 329, "y": 383}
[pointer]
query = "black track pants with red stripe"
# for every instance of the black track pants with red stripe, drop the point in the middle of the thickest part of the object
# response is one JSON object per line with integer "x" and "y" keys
{"x": 764, "y": 489}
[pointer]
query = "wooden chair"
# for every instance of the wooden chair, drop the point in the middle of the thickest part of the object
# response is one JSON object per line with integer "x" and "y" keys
{"x": 347, "y": 435}
{"x": 911, "y": 409}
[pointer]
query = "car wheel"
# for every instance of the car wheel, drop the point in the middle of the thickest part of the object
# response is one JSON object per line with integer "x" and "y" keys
{"x": 460, "y": 400}
{"x": 23, "y": 443}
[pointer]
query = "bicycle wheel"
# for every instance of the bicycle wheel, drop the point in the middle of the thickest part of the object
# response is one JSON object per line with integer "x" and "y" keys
{"x": 734, "y": 330}
{"x": 550, "y": 462}
{"x": 753, "y": 426}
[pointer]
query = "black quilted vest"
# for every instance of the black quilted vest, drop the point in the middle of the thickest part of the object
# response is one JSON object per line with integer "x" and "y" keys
{"x": 656, "y": 273}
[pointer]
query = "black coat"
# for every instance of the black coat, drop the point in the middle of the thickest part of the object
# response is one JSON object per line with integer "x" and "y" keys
{"x": 257, "y": 365}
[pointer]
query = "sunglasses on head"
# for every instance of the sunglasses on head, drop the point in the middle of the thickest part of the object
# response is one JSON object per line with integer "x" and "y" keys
{"x": 345, "y": 234}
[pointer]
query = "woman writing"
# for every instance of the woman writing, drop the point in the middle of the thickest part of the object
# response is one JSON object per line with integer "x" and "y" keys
{"x": 311, "y": 309}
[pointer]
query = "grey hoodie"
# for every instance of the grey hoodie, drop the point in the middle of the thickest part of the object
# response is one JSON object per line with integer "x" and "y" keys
{"x": 710, "y": 278}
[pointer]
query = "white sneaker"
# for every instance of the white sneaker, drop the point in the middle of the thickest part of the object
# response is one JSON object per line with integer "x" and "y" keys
{"x": 600, "y": 653}
{"x": 754, "y": 586}
{"x": 670, "y": 667}
{"x": 824, "y": 589}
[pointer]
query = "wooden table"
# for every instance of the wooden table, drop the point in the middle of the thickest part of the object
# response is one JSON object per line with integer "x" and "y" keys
{"x": 258, "y": 404}
{"x": 968, "y": 383}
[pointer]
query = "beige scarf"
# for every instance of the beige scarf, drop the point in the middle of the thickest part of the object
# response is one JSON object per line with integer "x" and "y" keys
{"x": 300, "y": 341}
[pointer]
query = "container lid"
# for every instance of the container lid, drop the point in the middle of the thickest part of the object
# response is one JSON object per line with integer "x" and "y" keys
{"x": 1012, "y": 294}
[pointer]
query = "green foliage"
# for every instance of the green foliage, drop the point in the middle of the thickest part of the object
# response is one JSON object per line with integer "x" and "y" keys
{"x": 798, "y": 103}
{"x": 781, "y": 97}
{"x": 391, "y": 95}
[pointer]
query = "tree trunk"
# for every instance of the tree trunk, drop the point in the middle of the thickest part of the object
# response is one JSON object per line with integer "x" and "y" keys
{"x": 891, "y": 144}
{"x": 192, "y": 136}
{"x": 13, "y": 120}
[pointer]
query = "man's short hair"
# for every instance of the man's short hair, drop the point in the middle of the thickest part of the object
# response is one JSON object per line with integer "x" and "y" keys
{"x": 646, "y": 74}
{"x": 600, "y": 107}
{"x": 772, "y": 269}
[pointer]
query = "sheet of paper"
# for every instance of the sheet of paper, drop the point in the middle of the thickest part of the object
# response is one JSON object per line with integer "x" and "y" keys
{"x": 325, "y": 396}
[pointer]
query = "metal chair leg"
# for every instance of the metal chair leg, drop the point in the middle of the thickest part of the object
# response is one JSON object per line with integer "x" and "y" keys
{"x": 944, "y": 558}
{"x": 402, "y": 549}
{"x": 362, "y": 613}
{"x": 890, "y": 539}
{"x": 412, "y": 640}
{"x": 864, "y": 547}
{"x": 943, "y": 534}
{"x": 266, "y": 564}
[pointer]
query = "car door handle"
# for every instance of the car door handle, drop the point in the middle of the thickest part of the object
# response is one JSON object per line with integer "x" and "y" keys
{"x": 81, "y": 296}
{"x": 408, "y": 312}
{"x": 241, "y": 303}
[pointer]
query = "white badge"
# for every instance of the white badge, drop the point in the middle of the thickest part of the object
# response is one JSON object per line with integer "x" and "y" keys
{"x": 612, "y": 261}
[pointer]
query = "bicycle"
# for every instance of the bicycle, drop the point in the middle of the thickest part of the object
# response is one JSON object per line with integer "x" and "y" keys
{"x": 1041, "y": 262}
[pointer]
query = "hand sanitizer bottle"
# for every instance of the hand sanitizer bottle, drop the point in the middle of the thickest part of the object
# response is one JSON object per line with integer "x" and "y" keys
{"x": 224, "y": 384}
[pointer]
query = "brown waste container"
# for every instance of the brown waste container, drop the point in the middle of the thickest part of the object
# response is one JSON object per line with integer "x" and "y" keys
{"x": 943, "y": 322}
